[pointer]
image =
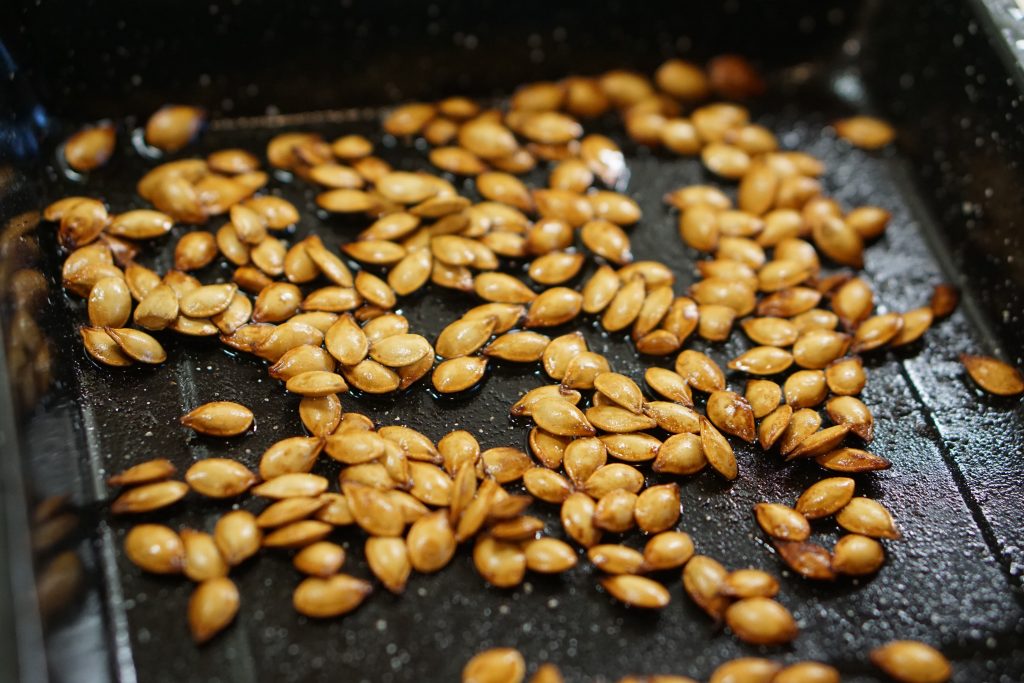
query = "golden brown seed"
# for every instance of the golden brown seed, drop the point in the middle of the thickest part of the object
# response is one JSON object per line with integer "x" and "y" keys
{"x": 607, "y": 478}
{"x": 90, "y": 148}
{"x": 672, "y": 417}
{"x": 857, "y": 555}
{"x": 815, "y": 349}
{"x": 867, "y": 517}
{"x": 549, "y": 556}
{"x": 291, "y": 485}
{"x": 619, "y": 421}
{"x": 546, "y": 447}
{"x": 335, "y": 510}
{"x": 372, "y": 377}
{"x": 876, "y": 331}
{"x": 400, "y": 350}
{"x": 320, "y": 416}
{"x": 219, "y": 478}
{"x": 625, "y": 306}
{"x": 725, "y": 160}
{"x": 237, "y": 536}
{"x": 762, "y": 360}
{"x": 945, "y": 298}
{"x": 149, "y": 497}
{"x": 763, "y": 395}
{"x": 546, "y": 485}
{"x": 173, "y": 126}
{"x": 577, "y": 516}
{"x": 993, "y": 375}
{"x": 915, "y": 323}
{"x": 561, "y": 417}
{"x": 321, "y": 559}
{"x": 715, "y": 322}
{"x": 866, "y": 132}
{"x": 731, "y": 413}
{"x": 288, "y": 510}
{"x": 582, "y": 369}
{"x": 143, "y": 473}
{"x": 680, "y": 454}
{"x": 330, "y": 597}
{"x": 502, "y": 288}
{"x": 616, "y": 559}
{"x": 389, "y": 561}
{"x": 818, "y": 443}
{"x": 779, "y": 521}
{"x": 657, "y": 508}
{"x": 790, "y": 302}
{"x": 607, "y": 240}
{"x": 735, "y": 294}
{"x": 717, "y": 450}
{"x": 910, "y": 661}
{"x": 750, "y": 583}
{"x": 839, "y": 241}
{"x": 669, "y": 384}
{"x": 519, "y": 347}
{"x": 464, "y": 336}
{"x": 582, "y": 457}
{"x": 636, "y": 591}
{"x": 667, "y": 550}
{"x": 155, "y": 548}
{"x": 826, "y": 497}
{"x": 554, "y": 306}
{"x": 805, "y": 389}
{"x": 807, "y": 672}
{"x": 773, "y": 426}
{"x": 656, "y": 306}
{"x": 556, "y": 267}
{"x": 852, "y": 460}
{"x": 195, "y": 250}
{"x": 761, "y": 621}
{"x": 745, "y": 670}
{"x": 212, "y": 606}
{"x": 699, "y": 371}
{"x": 620, "y": 389}
{"x": 703, "y": 579}
{"x": 137, "y": 345}
{"x": 301, "y": 359}
{"x": 353, "y": 447}
{"x": 110, "y": 302}
{"x": 698, "y": 227}
{"x": 498, "y": 665}
{"x": 202, "y": 558}
{"x": 560, "y": 352}
{"x": 500, "y": 563}
{"x": 802, "y": 424}
{"x": 614, "y": 511}
{"x": 524, "y": 406}
{"x": 458, "y": 374}
{"x": 295, "y": 454}
{"x": 372, "y": 509}
{"x": 850, "y": 411}
{"x": 219, "y": 418}
{"x": 845, "y": 376}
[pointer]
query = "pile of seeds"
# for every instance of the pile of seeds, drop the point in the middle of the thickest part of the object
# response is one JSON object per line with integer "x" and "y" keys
{"x": 325, "y": 322}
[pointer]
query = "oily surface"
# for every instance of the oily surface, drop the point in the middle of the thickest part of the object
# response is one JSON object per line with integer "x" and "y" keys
{"x": 953, "y": 486}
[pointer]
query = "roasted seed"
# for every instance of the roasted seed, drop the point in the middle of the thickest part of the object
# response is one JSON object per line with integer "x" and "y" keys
{"x": 910, "y": 661}
{"x": 219, "y": 478}
{"x": 149, "y": 497}
{"x": 220, "y": 418}
{"x": 636, "y": 591}
{"x": 330, "y": 597}
{"x": 779, "y": 521}
{"x": 498, "y": 665}
{"x": 826, "y": 497}
{"x": 750, "y": 583}
{"x": 761, "y": 621}
{"x": 867, "y": 517}
{"x": 993, "y": 376}
{"x": 703, "y": 579}
{"x": 321, "y": 559}
{"x": 238, "y": 536}
{"x": 155, "y": 548}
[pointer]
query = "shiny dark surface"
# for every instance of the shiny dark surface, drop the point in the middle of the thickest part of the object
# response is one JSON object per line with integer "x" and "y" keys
{"x": 955, "y": 486}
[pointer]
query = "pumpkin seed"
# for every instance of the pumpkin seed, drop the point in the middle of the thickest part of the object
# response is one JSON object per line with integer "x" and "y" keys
{"x": 372, "y": 509}
{"x": 774, "y": 426}
{"x": 219, "y": 418}
{"x": 826, "y": 497}
{"x": 731, "y": 413}
{"x": 237, "y": 536}
{"x": 746, "y": 669}
{"x": 219, "y": 478}
{"x": 945, "y": 298}
{"x": 202, "y": 558}
{"x": 787, "y": 303}
{"x": 762, "y": 360}
{"x": 703, "y": 579}
{"x": 680, "y": 454}
{"x": 297, "y": 534}
{"x": 500, "y": 563}
{"x": 143, "y": 473}
{"x": 561, "y": 417}
{"x": 330, "y": 597}
{"x": 866, "y": 132}
{"x": 911, "y": 661}
{"x": 915, "y": 323}
{"x": 288, "y": 510}
{"x": 761, "y": 621}
{"x": 291, "y": 485}
{"x": 699, "y": 371}
{"x": 657, "y": 508}
{"x": 763, "y": 396}
{"x": 636, "y": 591}
{"x": 779, "y": 521}
{"x": 149, "y": 497}
{"x": 993, "y": 376}
{"x": 155, "y": 548}
{"x": 389, "y": 561}
{"x": 321, "y": 559}
{"x": 852, "y": 460}
{"x": 549, "y": 556}
{"x": 614, "y": 511}
{"x": 320, "y": 416}
{"x": 857, "y": 555}
{"x": 498, "y": 665}
{"x": 868, "y": 518}
{"x": 458, "y": 374}
{"x": 625, "y": 306}
{"x": 717, "y": 450}
{"x": 750, "y": 583}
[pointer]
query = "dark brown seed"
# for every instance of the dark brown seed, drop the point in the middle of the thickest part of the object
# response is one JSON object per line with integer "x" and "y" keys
{"x": 852, "y": 460}
{"x": 809, "y": 560}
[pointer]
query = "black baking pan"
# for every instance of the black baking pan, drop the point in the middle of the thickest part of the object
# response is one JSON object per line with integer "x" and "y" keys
{"x": 947, "y": 74}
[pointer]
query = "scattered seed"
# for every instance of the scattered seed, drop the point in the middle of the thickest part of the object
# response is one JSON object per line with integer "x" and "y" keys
{"x": 761, "y": 621}
{"x": 867, "y": 517}
{"x": 330, "y": 597}
{"x": 911, "y": 661}
{"x": 149, "y": 497}
{"x": 220, "y": 418}
{"x": 703, "y": 579}
{"x": 155, "y": 548}
{"x": 636, "y": 591}
{"x": 498, "y": 665}
{"x": 993, "y": 376}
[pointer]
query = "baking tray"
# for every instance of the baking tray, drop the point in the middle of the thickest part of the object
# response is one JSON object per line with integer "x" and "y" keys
{"x": 945, "y": 73}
